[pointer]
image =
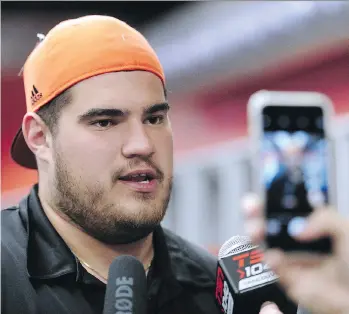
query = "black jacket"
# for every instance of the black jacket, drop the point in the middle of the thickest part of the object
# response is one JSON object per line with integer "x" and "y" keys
{"x": 41, "y": 275}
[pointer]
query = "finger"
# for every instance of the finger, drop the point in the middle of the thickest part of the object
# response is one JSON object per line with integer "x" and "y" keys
{"x": 325, "y": 222}
{"x": 255, "y": 229}
{"x": 303, "y": 281}
{"x": 309, "y": 288}
{"x": 291, "y": 258}
{"x": 280, "y": 263}
{"x": 296, "y": 272}
{"x": 251, "y": 206}
{"x": 269, "y": 308}
{"x": 274, "y": 258}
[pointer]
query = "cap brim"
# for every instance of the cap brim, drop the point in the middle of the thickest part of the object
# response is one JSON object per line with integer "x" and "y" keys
{"x": 21, "y": 153}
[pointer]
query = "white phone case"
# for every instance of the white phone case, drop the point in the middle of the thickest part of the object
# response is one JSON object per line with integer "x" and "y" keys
{"x": 264, "y": 98}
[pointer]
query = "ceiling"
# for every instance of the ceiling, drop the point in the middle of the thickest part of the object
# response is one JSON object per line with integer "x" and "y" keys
{"x": 22, "y": 20}
{"x": 136, "y": 13}
{"x": 201, "y": 44}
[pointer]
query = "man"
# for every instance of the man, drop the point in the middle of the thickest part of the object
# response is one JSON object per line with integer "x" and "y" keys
{"x": 98, "y": 132}
{"x": 319, "y": 283}
{"x": 289, "y": 183}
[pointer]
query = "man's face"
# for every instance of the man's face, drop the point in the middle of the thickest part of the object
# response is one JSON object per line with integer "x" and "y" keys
{"x": 293, "y": 156}
{"x": 113, "y": 156}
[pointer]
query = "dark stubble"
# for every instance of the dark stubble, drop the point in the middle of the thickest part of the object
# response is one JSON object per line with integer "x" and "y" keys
{"x": 110, "y": 223}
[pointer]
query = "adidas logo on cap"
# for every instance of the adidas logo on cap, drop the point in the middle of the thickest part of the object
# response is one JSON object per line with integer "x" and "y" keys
{"x": 35, "y": 95}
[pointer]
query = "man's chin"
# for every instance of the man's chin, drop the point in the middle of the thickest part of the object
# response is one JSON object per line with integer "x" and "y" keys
{"x": 136, "y": 200}
{"x": 123, "y": 234}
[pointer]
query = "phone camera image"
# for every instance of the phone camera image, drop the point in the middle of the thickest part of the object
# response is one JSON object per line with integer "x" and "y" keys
{"x": 319, "y": 123}
{"x": 294, "y": 171}
{"x": 267, "y": 121}
{"x": 284, "y": 121}
{"x": 302, "y": 122}
{"x": 294, "y": 157}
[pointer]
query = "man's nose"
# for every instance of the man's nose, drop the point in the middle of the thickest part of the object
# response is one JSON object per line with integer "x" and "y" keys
{"x": 137, "y": 142}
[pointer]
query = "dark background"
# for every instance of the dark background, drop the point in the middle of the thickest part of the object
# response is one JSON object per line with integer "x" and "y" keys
{"x": 136, "y": 13}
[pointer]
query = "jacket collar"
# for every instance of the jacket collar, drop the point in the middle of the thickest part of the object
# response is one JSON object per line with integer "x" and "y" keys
{"x": 48, "y": 256}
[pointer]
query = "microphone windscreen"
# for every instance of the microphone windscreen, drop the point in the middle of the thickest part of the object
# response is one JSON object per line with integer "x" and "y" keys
{"x": 126, "y": 290}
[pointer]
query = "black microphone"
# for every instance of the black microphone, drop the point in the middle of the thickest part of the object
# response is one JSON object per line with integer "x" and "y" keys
{"x": 244, "y": 282}
{"x": 126, "y": 291}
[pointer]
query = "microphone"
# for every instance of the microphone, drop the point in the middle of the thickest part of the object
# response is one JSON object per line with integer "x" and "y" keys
{"x": 244, "y": 282}
{"x": 126, "y": 291}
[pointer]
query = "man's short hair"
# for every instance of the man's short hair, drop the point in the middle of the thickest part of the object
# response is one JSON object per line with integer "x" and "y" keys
{"x": 51, "y": 112}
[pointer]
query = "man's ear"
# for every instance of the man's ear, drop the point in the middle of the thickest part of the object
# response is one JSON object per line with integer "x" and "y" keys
{"x": 37, "y": 136}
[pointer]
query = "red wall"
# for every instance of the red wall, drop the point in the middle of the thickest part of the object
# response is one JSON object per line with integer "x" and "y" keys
{"x": 221, "y": 115}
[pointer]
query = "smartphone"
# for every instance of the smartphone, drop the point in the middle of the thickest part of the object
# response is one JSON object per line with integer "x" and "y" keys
{"x": 292, "y": 162}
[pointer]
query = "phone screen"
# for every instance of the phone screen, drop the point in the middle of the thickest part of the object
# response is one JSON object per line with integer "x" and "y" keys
{"x": 294, "y": 174}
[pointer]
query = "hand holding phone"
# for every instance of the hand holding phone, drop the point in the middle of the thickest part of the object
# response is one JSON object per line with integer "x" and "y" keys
{"x": 307, "y": 277}
{"x": 291, "y": 158}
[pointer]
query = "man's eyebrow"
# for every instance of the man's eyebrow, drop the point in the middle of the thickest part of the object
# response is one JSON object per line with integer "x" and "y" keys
{"x": 157, "y": 107}
{"x": 98, "y": 112}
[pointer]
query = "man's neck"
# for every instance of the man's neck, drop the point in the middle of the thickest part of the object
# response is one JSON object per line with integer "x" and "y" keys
{"x": 94, "y": 255}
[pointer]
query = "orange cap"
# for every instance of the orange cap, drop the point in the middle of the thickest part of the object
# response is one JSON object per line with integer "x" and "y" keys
{"x": 75, "y": 50}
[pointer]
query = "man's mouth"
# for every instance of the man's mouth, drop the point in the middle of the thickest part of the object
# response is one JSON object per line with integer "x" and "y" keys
{"x": 143, "y": 181}
{"x": 138, "y": 177}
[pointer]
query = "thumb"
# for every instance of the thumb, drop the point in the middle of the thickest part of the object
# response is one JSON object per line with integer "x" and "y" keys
{"x": 324, "y": 222}
{"x": 269, "y": 308}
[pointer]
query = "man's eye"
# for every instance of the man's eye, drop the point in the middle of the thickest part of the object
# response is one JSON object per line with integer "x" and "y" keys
{"x": 103, "y": 123}
{"x": 155, "y": 120}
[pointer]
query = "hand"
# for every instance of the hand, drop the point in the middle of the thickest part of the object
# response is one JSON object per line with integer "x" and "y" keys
{"x": 269, "y": 308}
{"x": 318, "y": 282}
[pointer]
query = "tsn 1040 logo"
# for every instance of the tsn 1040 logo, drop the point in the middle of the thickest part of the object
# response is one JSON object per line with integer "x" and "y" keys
{"x": 250, "y": 263}
{"x": 251, "y": 270}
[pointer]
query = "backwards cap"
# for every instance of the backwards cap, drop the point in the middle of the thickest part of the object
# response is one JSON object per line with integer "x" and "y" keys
{"x": 75, "y": 50}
